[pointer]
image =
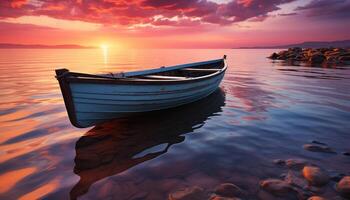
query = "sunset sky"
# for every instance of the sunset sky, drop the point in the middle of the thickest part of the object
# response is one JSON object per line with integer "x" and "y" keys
{"x": 173, "y": 23}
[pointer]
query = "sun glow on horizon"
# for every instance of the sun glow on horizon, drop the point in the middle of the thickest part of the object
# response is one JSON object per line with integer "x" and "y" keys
{"x": 104, "y": 46}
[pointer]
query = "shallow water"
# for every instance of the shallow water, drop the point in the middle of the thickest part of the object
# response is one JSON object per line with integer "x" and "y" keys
{"x": 263, "y": 111}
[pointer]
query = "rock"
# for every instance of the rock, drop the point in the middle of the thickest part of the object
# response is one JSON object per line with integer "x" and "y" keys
{"x": 339, "y": 50}
{"x": 344, "y": 59}
{"x": 276, "y": 187}
{"x": 314, "y": 189}
{"x": 296, "y": 179}
{"x": 295, "y": 49}
{"x": 279, "y": 162}
{"x": 317, "y": 58}
{"x": 315, "y": 175}
{"x": 317, "y": 142}
{"x": 316, "y": 198}
{"x": 273, "y": 56}
{"x": 332, "y": 60}
{"x": 191, "y": 193}
{"x": 300, "y": 58}
{"x": 223, "y": 198}
{"x": 318, "y": 148}
{"x": 283, "y": 176}
{"x": 334, "y": 56}
{"x": 296, "y": 163}
{"x": 310, "y": 52}
{"x": 228, "y": 190}
{"x": 336, "y": 176}
{"x": 343, "y": 187}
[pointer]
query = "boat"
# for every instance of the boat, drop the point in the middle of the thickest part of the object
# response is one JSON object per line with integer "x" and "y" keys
{"x": 91, "y": 99}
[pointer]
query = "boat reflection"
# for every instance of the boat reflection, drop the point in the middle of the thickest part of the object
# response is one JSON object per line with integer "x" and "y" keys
{"x": 113, "y": 147}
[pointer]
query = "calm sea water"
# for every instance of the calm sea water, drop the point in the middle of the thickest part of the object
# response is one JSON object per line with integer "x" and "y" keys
{"x": 264, "y": 110}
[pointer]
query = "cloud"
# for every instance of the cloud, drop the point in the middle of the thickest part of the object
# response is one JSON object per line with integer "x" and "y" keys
{"x": 144, "y": 12}
{"x": 287, "y": 14}
{"x": 335, "y": 9}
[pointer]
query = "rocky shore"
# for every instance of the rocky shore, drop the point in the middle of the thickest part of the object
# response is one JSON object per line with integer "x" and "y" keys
{"x": 327, "y": 56}
{"x": 302, "y": 180}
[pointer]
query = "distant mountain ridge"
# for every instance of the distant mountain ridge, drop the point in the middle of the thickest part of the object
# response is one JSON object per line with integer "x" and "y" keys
{"x": 315, "y": 44}
{"x": 41, "y": 46}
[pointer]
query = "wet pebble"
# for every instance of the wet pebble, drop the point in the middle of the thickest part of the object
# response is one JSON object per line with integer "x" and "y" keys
{"x": 315, "y": 175}
{"x": 190, "y": 193}
{"x": 296, "y": 179}
{"x": 343, "y": 187}
{"x": 316, "y": 198}
{"x": 223, "y": 198}
{"x": 228, "y": 190}
{"x": 276, "y": 187}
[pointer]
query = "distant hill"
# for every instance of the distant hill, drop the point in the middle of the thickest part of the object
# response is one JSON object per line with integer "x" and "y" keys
{"x": 341, "y": 43}
{"x": 41, "y": 46}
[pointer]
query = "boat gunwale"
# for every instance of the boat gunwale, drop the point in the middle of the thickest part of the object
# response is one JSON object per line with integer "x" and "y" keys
{"x": 128, "y": 81}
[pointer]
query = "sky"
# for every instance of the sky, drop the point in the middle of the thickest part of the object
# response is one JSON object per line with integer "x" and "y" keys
{"x": 173, "y": 23}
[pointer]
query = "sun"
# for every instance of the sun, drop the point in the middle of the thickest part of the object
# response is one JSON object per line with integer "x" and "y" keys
{"x": 104, "y": 46}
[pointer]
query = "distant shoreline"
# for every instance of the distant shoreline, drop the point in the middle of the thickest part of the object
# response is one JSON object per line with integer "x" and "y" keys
{"x": 40, "y": 46}
{"x": 309, "y": 44}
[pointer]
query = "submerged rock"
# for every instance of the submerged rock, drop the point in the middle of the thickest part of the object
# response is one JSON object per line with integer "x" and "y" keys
{"x": 318, "y": 148}
{"x": 279, "y": 162}
{"x": 315, "y": 175}
{"x": 318, "y": 142}
{"x": 296, "y": 163}
{"x": 228, "y": 190}
{"x": 296, "y": 179}
{"x": 293, "y": 163}
{"x": 276, "y": 187}
{"x": 343, "y": 187}
{"x": 191, "y": 193}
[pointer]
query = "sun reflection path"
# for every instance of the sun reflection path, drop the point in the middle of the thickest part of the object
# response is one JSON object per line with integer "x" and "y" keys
{"x": 104, "y": 48}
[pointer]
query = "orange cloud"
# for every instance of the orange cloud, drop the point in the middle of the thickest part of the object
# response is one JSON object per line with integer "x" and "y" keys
{"x": 18, "y": 3}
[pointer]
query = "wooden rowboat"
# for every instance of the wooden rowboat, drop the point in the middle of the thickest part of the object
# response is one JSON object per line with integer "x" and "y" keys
{"x": 92, "y": 99}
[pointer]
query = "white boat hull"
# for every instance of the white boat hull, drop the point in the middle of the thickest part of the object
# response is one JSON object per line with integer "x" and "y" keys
{"x": 89, "y": 103}
{"x": 102, "y": 102}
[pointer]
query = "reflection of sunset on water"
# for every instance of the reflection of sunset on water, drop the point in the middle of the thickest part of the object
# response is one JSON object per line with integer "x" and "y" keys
{"x": 104, "y": 48}
{"x": 9, "y": 179}
{"x": 39, "y": 149}
{"x": 41, "y": 191}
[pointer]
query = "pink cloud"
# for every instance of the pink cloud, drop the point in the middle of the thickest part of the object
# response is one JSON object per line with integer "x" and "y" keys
{"x": 144, "y": 11}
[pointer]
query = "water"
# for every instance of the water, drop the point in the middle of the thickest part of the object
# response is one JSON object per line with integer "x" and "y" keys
{"x": 264, "y": 111}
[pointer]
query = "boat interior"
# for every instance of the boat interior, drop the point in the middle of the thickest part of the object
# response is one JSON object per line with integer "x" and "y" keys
{"x": 185, "y": 73}
{"x": 179, "y": 73}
